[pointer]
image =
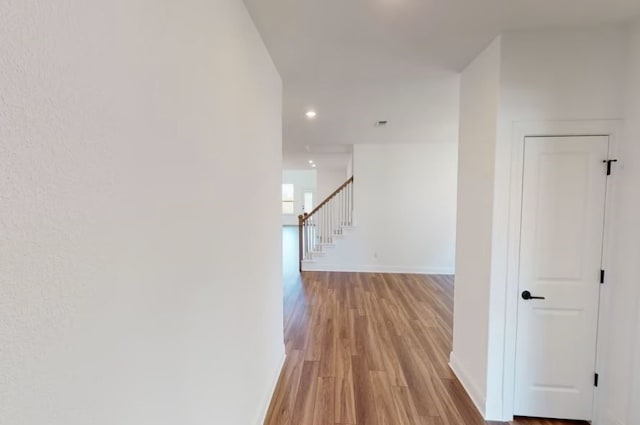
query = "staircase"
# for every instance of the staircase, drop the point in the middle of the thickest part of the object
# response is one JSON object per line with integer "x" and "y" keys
{"x": 327, "y": 223}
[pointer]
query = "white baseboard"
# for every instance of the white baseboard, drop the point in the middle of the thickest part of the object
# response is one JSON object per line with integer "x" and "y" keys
{"x": 265, "y": 409}
{"x": 319, "y": 267}
{"x": 471, "y": 388}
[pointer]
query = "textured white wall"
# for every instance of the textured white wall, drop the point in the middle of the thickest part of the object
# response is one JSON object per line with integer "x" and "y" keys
{"x": 131, "y": 133}
{"x": 479, "y": 100}
{"x": 627, "y": 385}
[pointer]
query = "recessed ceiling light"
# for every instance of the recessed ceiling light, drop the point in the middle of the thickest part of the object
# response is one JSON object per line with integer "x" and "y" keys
{"x": 311, "y": 114}
{"x": 313, "y": 165}
{"x": 311, "y": 161}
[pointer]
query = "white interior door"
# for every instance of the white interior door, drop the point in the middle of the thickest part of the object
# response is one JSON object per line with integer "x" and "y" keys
{"x": 563, "y": 204}
{"x": 308, "y": 200}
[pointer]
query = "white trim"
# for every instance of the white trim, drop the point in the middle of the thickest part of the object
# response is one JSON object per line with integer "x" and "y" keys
{"x": 266, "y": 404}
{"x": 471, "y": 388}
{"x": 521, "y": 130}
{"x": 309, "y": 266}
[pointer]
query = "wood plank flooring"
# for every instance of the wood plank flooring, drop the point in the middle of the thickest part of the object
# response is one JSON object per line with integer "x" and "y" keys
{"x": 370, "y": 349}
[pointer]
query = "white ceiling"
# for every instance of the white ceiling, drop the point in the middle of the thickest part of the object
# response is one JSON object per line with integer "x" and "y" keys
{"x": 324, "y": 161}
{"x": 417, "y": 110}
{"x": 358, "y": 61}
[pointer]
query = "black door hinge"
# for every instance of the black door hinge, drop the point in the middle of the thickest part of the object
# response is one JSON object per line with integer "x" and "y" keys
{"x": 608, "y": 162}
{"x": 601, "y": 276}
{"x": 595, "y": 380}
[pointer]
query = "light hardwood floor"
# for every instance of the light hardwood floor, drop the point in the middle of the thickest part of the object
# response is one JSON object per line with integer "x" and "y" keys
{"x": 369, "y": 349}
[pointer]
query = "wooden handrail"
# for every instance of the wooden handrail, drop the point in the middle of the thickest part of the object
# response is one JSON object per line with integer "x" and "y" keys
{"x": 306, "y": 216}
{"x": 312, "y": 232}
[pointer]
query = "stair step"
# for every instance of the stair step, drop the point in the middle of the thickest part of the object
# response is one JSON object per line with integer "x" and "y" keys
{"x": 324, "y": 248}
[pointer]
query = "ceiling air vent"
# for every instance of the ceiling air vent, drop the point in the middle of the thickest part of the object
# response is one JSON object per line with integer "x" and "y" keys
{"x": 381, "y": 123}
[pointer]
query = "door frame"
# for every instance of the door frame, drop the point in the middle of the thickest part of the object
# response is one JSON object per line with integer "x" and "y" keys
{"x": 313, "y": 190}
{"x": 520, "y": 131}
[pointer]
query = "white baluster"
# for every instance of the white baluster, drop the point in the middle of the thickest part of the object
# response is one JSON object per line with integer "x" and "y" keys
{"x": 342, "y": 208}
{"x": 333, "y": 218}
{"x": 322, "y": 225}
{"x": 312, "y": 233}
{"x": 329, "y": 238}
{"x": 309, "y": 240}
{"x": 351, "y": 204}
{"x": 306, "y": 240}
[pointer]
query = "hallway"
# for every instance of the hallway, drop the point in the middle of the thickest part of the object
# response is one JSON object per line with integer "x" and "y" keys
{"x": 368, "y": 349}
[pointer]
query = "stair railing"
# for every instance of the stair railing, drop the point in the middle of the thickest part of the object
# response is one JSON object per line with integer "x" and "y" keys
{"x": 325, "y": 221}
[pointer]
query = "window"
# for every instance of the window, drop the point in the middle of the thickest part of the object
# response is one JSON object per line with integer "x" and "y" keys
{"x": 287, "y": 198}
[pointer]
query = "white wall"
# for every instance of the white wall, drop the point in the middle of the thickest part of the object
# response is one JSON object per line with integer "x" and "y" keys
{"x": 404, "y": 210}
{"x": 627, "y": 385}
{"x": 125, "y": 291}
{"x": 545, "y": 76}
{"x": 479, "y": 100}
{"x": 550, "y": 76}
{"x": 329, "y": 179}
{"x": 302, "y": 180}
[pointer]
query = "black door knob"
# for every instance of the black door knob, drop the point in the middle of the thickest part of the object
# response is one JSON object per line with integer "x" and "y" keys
{"x": 526, "y": 295}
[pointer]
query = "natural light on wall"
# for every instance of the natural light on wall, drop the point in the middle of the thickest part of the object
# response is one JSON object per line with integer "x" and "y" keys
{"x": 287, "y": 198}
